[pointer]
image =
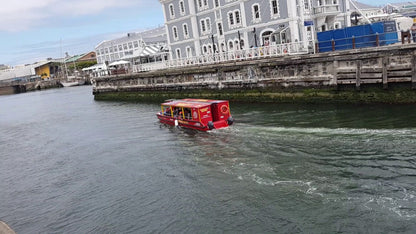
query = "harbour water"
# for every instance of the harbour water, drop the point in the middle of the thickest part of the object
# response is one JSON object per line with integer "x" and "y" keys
{"x": 69, "y": 164}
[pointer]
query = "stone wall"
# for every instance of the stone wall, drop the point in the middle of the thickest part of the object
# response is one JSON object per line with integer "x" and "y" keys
{"x": 381, "y": 67}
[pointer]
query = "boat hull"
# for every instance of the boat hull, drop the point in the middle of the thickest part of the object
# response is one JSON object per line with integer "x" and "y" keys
{"x": 182, "y": 123}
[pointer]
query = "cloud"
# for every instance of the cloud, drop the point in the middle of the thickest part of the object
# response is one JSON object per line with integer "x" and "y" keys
{"x": 16, "y": 16}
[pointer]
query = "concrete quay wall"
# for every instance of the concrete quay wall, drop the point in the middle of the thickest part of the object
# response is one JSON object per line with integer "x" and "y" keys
{"x": 315, "y": 76}
{"x": 8, "y": 89}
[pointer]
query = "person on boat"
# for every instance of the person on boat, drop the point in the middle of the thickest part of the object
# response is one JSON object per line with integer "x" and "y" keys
{"x": 167, "y": 111}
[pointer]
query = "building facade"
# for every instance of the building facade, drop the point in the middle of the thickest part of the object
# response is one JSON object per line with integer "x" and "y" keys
{"x": 198, "y": 27}
{"x": 132, "y": 47}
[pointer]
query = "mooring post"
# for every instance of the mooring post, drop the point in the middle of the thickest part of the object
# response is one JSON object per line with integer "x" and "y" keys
{"x": 353, "y": 42}
{"x": 335, "y": 73}
{"x": 358, "y": 75}
{"x": 385, "y": 78}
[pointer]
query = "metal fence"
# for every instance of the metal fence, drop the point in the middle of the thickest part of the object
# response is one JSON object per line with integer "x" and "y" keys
{"x": 235, "y": 55}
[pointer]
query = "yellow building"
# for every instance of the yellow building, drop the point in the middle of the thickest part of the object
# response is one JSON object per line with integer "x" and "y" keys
{"x": 47, "y": 69}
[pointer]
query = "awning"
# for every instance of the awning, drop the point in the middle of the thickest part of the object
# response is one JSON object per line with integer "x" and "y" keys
{"x": 121, "y": 62}
{"x": 149, "y": 50}
{"x": 96, "y": 67}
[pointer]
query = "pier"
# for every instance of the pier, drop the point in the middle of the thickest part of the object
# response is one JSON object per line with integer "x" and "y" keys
{"x": 278, "y": 78}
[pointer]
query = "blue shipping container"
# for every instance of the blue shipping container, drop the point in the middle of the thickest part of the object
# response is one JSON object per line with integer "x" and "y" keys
{"x": 364, "y": 35}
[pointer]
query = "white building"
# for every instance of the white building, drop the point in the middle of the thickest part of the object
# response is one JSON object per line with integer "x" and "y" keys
{"x": 201, "y": 27}
{"x": 134, "y": 47}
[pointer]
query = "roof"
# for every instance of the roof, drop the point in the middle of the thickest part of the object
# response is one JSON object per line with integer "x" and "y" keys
{"x": 74, "y": 58}
{"x": 150, "y": 50}
{"x": 153, "y": 36}
{"x": 191, "y": 103}
{"x": 363, "y": 6}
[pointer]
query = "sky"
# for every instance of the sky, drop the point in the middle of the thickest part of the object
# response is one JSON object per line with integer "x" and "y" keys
{"x": 34, "y": 30}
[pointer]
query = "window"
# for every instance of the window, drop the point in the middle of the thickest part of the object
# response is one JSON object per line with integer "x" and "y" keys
{"x": 178, "y": 53}
{"x": 237, "y": 17}
{"x": 205, "y": 25}
{"x": 274, "y": 8}
{"x": 216, "y": 3}
{"x": 111, "y": 49}
{"x": 203, "y": 4}
{"x": 231, "y": 18}
{"x": 175, "y": 33}
{"x": 120, "y": 47}
{"x": 125, "y": 46}
{"x": 130, "y": 45}
{"x": 182, "y": 7}
{"x": 230, "y": 45}
{"x": 220, "y": 32}
{"x": 185, "y": 31}
{"x": 337, "y": 25}
{"x": 172, "y": 11}
{"x": 203, "y": 28}
{"x": 234, "y": 19}
{"x": 188, "y": 52}
{"x": 208, "y": 23}
{"x": 256, "y": 13}
{"x": 115, "y": 48}
{"x": 136, "y": 44}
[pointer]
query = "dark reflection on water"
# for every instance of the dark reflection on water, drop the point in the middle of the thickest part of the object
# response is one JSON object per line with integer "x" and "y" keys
{"x": 73, "y": 165}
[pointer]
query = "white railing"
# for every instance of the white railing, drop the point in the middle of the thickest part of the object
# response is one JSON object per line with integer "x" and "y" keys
{"x": 236, "y": 55}
{"x": 327, "y": 9}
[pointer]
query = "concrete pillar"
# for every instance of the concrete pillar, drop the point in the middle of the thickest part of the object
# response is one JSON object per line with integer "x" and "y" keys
{"x": 358, "y": 75}
{"x": 385, "y": 78}
{"x": 194, "y": 26}
{"x": 293, "y": 23}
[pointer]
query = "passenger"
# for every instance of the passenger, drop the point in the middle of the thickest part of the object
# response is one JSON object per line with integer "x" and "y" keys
{"x": 167, "y": 111}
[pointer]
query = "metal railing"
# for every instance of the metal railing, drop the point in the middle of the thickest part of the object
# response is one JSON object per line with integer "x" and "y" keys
{"x": 235, "y": 55}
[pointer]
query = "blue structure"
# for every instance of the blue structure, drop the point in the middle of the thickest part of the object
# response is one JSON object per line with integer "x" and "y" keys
{"x": 361, "y": 36}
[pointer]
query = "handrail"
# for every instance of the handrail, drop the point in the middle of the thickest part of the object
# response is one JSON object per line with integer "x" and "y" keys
{"x": 234, "y": 55}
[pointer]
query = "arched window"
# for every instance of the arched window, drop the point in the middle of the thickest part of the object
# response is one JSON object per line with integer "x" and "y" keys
{"x": 182, "y": 7}
{"x": 175, "y": 33}
{"x": 185, "y": 30}
{"x": 230, "y": 45}
{"x": 172, "y": 11}
{"x": 178, "y": 53}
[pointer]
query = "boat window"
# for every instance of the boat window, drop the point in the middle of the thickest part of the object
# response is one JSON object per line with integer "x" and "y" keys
{"x": 187, "y": 113}
{"x": 166, "y": 110}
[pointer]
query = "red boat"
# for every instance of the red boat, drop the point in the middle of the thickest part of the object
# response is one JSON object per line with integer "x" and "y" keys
{"x": 199, "y": 114}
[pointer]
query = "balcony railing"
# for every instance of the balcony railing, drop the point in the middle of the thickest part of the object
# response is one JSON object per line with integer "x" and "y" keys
{"x": 236, "y": 55}
{"x": 327, "y": 9}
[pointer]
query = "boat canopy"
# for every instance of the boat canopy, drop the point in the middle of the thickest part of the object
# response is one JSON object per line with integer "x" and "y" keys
{"x": 190, "y": 103}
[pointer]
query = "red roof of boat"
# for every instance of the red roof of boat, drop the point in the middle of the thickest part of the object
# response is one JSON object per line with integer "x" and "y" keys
{"x": 191, "y": 103}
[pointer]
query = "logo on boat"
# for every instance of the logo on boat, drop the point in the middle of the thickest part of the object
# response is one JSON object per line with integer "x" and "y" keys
{"x": 195, "y": 115}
